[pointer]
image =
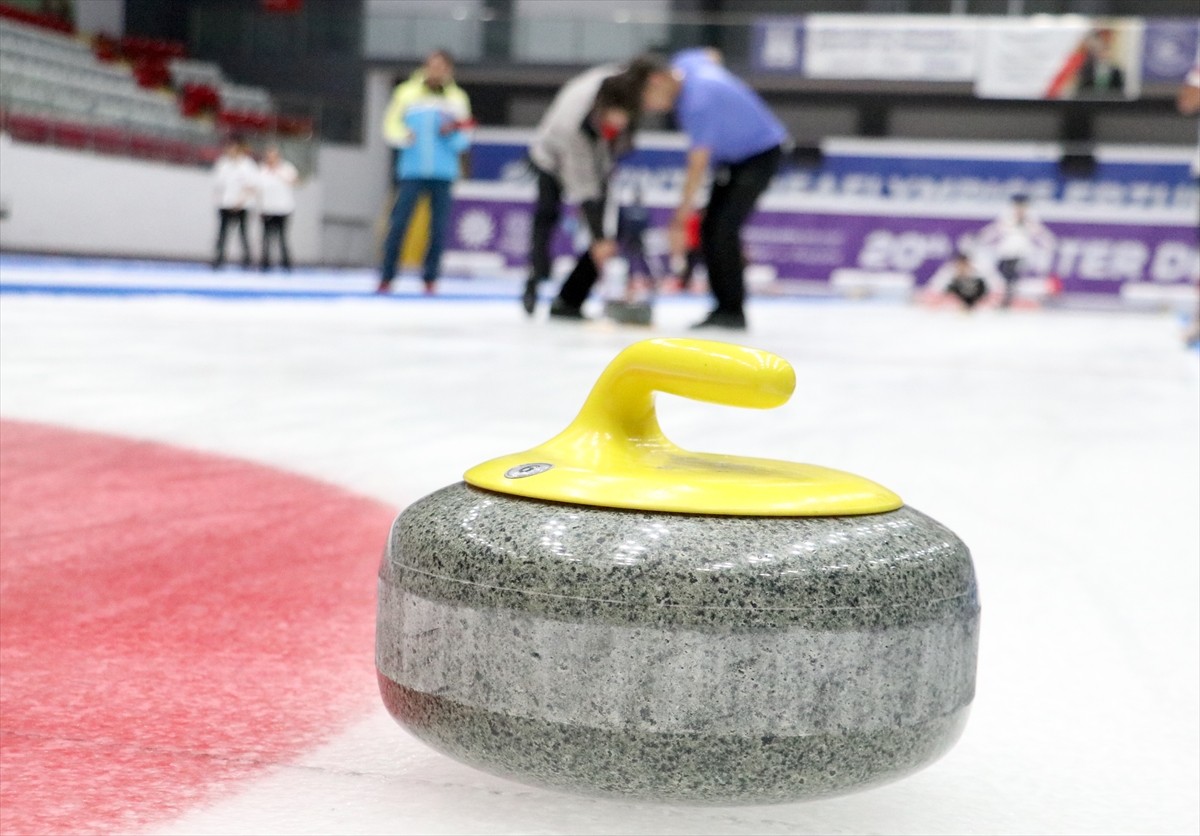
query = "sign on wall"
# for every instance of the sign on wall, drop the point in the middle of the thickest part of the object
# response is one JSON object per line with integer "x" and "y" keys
{"x": 1170, "y": 47}
{"x": 803, "y": 244}
{"x": 1035, "y": 57}
{"x": 946, "y": 173}
{"x": 778, "y": 45}
{"x": 900, "y": 48}
{"x": 1060, "y": 58}
{"x": 894, "y": 207}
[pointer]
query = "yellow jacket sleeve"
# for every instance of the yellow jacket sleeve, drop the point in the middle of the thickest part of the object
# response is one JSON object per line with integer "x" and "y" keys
{"x": 395, "y": 132}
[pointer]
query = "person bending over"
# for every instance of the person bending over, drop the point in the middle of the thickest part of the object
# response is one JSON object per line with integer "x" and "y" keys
{"x": 588, "y": 126}
{"x": 733, "y": 133}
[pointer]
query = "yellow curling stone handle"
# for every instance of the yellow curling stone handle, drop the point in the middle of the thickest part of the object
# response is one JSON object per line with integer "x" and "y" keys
{"x": 614, "y": 453}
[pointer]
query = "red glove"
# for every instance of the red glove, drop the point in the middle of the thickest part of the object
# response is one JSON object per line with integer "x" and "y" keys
{"x": 453, "y": 125}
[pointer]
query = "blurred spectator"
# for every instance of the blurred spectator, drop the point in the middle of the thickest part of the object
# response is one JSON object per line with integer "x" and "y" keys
{"x": 236, "y": 177}
{"x": 959, "y": 278}
{"x": 589, "y": 124}
{"x": 429, "y": 119}
{"x": 277, "y": 201}
{"x": 1188, "y": 98}
{"x": 1013, "y": 237}
{"x": 1188, "y": 102}
{"x": 730, "y": 129}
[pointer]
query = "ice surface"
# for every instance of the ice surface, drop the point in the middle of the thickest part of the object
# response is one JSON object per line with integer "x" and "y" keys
{"x": 1063, "y": 447}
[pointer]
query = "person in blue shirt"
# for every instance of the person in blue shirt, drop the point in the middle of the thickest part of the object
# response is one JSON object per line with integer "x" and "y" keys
{"x": 428, "y": 119}
{"x": 733, "y": 133}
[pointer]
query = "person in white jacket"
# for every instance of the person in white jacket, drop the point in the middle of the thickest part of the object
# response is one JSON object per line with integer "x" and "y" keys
{"x": 1014, "y": 237}
{"x": 277, "y": 200}
{"x": 236, "y": 183}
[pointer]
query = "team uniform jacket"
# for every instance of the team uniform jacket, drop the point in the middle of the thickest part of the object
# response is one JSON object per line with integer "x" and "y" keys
{"x": 414, "y": 121}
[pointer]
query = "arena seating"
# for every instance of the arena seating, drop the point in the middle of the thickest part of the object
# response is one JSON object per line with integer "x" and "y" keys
{"x": 57, "y": 91}
{"x": 132, "y": 96}
{"x": 40, "y": 20}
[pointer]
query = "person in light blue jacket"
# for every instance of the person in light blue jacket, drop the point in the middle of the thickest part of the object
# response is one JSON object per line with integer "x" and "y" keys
{"x": 429, "y": 120}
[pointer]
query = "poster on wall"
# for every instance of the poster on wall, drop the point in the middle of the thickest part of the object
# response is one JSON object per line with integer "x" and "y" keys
{"x": 890, "y": 48}
{"x": 778, "y": 45}
{"x": 1171, "y": 47}
{"x": 1068, "y": 57}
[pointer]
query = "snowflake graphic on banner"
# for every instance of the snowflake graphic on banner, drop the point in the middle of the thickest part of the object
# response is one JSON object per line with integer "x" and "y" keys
{"x": 476, "y": 229}
{"x": 515, "y": 237}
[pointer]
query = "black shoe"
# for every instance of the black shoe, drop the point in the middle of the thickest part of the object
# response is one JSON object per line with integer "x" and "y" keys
{"x": 384, "y": 286}
{"x": 561, "y": 310}
{"x": 530, "y": 297}
{"x": 734, "y": 321}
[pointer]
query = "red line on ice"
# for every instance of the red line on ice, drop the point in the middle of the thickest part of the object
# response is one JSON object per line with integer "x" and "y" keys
{"x": 173, "y": 623}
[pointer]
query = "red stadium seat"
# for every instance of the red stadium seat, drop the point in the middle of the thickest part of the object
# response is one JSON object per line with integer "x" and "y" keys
{"x": 41, "y": 20}
{"x": 109, "y": 140}
{"x": 146, "y": 147}
{"x": 71, "y": 135}
{"x": 29, "y": 128}
{"x": 208, "y": 154}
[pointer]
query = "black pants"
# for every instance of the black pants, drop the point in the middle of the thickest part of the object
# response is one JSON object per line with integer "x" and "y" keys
{"x": 232, "y": 216}
{"x": 1010, "y": 269}
{"x": 736, "y": 188}
{"x": 275, "y": 226}
{"x": 968, "y": 292}
{"x": 546, "y": 213}
{"x": 545, "y": 218}
{"x": 579, "y": 284}
{"x": 692, "y": 260}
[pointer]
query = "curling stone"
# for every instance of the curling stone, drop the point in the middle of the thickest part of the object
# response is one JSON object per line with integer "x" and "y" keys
{"x": 628, "y": 313}
{"x": 610, "y": 614}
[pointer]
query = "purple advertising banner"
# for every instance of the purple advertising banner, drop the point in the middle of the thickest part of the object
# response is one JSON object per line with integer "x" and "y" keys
{"x": 1087, "y": 257}
{"x": 1169, "y": 48}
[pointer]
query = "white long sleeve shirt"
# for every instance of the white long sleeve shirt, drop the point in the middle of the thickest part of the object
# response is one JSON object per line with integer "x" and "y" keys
{"x": 277, "y": 188}
{"x": 1009, "y": 237}
{"x": 236, "y": 182}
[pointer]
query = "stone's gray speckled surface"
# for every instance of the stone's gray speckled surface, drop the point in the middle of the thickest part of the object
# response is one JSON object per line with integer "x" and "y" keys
{"x": 575, "y": 563}
{"x": 785, "y": 681}
{"x": 689, "y": 768}
{"x": 676, "y": 657}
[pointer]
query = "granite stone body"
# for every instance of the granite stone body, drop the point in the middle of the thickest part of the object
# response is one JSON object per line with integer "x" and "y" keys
{"x": 672, "y": 657}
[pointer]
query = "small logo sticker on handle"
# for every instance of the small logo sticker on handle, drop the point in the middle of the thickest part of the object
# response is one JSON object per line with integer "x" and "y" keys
{"x": 523, "y": 470}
